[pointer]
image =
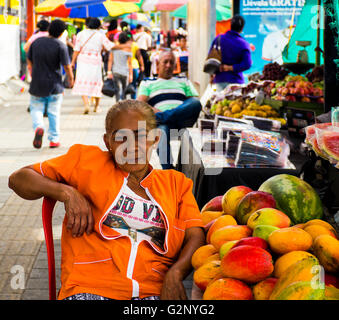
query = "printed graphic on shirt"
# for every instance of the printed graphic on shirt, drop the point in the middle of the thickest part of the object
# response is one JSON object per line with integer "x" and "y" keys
{"x": 137, "y": 213}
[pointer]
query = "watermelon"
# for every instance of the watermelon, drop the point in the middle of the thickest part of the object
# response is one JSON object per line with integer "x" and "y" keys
{"x": 295, "y": 197}
{"x": 310, "y": 130}
{"x": 330, "y": 140}
{"x": 315, "y": 146}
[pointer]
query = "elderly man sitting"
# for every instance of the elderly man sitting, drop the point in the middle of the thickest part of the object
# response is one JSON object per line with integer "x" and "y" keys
{"x": 173, "y": 101}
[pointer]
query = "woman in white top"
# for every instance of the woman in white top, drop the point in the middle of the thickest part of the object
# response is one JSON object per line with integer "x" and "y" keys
{"x": 87, "y": 54}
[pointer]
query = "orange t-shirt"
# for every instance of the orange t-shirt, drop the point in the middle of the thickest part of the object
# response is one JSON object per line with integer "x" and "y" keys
{"x": 106, "y": 262}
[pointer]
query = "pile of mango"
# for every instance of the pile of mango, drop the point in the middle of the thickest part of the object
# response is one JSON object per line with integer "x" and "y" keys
{"x": 240, "y": 107}
{"x": 259, "y": 254}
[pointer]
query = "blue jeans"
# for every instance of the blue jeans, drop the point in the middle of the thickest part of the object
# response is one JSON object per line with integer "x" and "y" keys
{"x": 221, "y": 85}
{"x": 183, "y": 116}
{"x": 53, "y": 104}
{"x": 135, "y": 78}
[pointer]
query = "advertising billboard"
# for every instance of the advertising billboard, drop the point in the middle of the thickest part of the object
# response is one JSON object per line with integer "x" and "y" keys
{"x": 268, "y": 28}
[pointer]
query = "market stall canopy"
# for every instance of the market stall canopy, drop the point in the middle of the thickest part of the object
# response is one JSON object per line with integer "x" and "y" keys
{"x": 223, "y": 11}
{"x": 139, "y": 18}
{"x": 162, "y": 5}
{"x": 81, "y": 3}
{"x": 56, "y": 8}
{"x": 306, "y": 30}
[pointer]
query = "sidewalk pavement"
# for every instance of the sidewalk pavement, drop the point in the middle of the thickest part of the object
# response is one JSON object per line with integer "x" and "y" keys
{"x": 22, "y": 247}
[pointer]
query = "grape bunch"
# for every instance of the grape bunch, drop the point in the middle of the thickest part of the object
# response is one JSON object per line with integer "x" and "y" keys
{"x": 273, "y": 71}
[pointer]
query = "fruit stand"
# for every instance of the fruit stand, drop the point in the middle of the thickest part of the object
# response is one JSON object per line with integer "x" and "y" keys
{"x": 272, "y": 243}
{"x": 293, "y": 100}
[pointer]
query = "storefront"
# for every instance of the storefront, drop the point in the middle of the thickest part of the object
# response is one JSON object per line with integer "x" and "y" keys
{"x": 10, "y": 39}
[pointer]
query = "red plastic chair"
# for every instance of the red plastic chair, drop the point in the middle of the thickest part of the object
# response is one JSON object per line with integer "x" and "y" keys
{"x": 47, "y": 212}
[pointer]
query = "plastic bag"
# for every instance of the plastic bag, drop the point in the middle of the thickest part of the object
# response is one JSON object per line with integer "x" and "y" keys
{"x": 262, "y": 149}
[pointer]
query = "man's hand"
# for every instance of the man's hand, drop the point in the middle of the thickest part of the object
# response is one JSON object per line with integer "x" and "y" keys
{"x": 225, "y": 68}
{"x": 78, "y": 212}
{"x": 173, "y": 288}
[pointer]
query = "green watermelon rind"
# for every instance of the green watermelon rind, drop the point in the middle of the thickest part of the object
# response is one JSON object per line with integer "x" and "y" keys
{"x": 295, "y": 197}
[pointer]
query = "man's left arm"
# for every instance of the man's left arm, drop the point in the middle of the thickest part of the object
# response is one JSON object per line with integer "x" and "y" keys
{"x": 173, "y": 288}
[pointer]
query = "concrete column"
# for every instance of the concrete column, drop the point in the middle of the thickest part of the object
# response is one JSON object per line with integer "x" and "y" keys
{"x": 201, "y": 20}
{"x": 165, "y": 21}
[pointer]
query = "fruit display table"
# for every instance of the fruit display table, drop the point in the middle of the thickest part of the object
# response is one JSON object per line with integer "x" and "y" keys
{"x": 213, "y": 174}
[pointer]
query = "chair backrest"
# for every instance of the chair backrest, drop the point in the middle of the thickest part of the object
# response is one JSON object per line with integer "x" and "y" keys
{"x": 47, "y": 211}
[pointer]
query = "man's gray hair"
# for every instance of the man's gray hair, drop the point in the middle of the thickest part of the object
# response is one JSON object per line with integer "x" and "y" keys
{"x": 164, "y": 52}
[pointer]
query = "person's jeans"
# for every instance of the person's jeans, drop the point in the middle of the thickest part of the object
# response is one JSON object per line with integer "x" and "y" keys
{"x": 221, "y": 85}
{"x": 183, "y": 116}
{"x": 135, "y": 78}
{"x": 120, "y": 90}
{"x": 52, "y": 103}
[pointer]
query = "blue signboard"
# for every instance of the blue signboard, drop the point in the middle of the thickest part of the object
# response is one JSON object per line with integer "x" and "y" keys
{"x": 268, "y": 27}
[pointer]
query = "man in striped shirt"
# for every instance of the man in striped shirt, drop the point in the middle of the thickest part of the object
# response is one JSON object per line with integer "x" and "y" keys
{"x": 173, "y": 101}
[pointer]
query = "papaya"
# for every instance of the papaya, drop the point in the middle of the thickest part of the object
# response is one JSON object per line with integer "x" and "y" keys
{"x": 322, "y": 223}
{"x": 286, "y": 260}
{"x": 302, "y": 270}
{"x": 331, "y": 293}
{"x": 220, "y": 222}
{"x": 229, "y": 233}
{"x": 228, "y": 289}
{"x": 315, "y": 230}
{"x": 263, "y": 289}
{"x": 201, "y": 254}
{"x": 326, "y": 249}
{"x": 301, "y": 290}
{"x": 206, "y": 274}
{"x": 289, "y": 239}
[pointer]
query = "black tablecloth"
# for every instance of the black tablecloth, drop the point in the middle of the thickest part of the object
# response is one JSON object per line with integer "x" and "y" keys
{"x": 207, "y": 185}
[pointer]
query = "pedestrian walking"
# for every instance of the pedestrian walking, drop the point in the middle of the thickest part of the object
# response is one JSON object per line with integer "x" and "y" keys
{"x": 45, "y": 57}
{"x": 120, "y": 67}
{"x": 87, "y": 56}
{"x": 144, "y": 42}
{"x": 236, "y": 55}
{"x": 137, "y": 65}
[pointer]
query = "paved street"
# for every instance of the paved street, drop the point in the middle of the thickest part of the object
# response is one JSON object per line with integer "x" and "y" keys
{"x": 22, "y": 248}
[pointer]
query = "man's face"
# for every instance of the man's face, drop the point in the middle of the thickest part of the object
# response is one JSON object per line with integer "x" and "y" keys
{"x": 182, "y": 43}
{"x": 166, "y": 65}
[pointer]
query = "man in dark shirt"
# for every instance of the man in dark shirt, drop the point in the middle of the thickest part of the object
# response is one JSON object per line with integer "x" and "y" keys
{"x": 236, "y": 55}
{"x": 45, "y": 57}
